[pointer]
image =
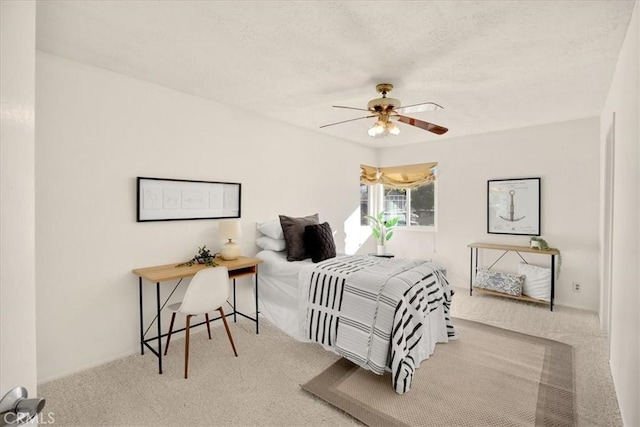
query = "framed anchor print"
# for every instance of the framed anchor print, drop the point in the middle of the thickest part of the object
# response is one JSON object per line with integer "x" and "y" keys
{"x": 513, "y": 206}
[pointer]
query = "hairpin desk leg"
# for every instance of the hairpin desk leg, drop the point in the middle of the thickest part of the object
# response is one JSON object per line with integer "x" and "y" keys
{"x": 234, "y": 300}
{"x": 159, "y": 328}
{"x": 257, "y": 330}
{"x": 141, "y": 325}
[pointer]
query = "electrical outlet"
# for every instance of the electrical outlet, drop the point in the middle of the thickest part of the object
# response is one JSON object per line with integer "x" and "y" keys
{"x": 576, "y": 287}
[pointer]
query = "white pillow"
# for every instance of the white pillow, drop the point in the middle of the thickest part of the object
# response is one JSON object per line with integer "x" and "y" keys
{"x": 266, "y": 242}
{"x": 271, "y": 228}
{"x": 537, "y": 283}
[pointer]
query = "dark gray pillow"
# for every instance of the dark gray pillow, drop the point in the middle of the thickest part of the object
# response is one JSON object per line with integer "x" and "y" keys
{"x": 319, "y": 242}
{"x": 293, "y": 229}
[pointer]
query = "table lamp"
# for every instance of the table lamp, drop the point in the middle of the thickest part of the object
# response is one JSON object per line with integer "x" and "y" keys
{"x": 229, "y": 230}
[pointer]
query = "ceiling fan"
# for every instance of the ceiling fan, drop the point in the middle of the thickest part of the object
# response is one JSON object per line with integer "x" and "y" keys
{"x": 385, "y": 109}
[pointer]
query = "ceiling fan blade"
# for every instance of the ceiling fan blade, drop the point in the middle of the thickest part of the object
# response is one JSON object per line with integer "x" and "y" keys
{"x": 419, "y": 108}
{"x": 346, "y": 121}
{"x": 349, "y": 108}
{"x": 423, "y": 125}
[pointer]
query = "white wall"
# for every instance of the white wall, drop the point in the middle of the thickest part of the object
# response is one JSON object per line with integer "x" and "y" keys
{"x": 97, "y": 131}
{"x": 17, "y": 197}
{"x": 565, "y": 155}
{"x": 624, "y": 100}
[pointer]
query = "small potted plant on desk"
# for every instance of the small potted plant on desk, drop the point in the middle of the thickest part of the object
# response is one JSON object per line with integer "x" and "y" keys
{"x": 204, "y": 256}
{"x": 382, "y": 230}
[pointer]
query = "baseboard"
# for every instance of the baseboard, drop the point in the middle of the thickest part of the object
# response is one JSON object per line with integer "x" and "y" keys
{"x": 197, "y": 330}
{"x": 87, "y": 366}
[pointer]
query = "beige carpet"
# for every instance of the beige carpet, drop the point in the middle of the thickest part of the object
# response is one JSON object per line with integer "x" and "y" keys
{"x": 489, "y": 377}
{"x": 261, "y": 387}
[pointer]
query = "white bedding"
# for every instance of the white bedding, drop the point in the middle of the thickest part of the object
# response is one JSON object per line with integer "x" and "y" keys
{"x": 284, "y": 291}
{"x": 278, "y": 293}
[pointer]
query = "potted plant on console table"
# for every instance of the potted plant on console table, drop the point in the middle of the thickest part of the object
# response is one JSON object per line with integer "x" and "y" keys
{"x": 382, "y": 230}
{"x": 540, "y": 243}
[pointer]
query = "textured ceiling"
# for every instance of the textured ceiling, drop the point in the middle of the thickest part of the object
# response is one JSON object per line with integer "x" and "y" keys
{"x": 491, "y": 64}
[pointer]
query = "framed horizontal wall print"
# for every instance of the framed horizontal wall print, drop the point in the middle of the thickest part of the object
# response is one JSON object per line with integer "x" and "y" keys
{"x": 513, "y": 206}
{"x": 160, "y": 199}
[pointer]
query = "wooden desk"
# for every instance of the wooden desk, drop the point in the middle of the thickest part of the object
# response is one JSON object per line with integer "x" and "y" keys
{"x": 242, "y": 267}
{"x": 516, "y": 249}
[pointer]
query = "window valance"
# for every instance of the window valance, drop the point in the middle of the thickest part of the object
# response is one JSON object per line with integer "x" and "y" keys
{"x": 405, "y": 176}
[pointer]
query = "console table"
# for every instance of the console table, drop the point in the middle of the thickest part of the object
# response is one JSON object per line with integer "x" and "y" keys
{"x": 473, "y": 266}
{"x": 241, "y": 267}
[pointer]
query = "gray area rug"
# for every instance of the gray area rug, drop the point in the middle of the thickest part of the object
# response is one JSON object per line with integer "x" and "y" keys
{"x": 488, "y": 377}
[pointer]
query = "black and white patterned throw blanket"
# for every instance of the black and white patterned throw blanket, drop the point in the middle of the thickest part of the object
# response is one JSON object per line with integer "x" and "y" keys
{"x": 375, "y": 311}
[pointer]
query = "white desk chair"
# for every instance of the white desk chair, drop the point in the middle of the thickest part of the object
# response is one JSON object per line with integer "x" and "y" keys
{"x": 208, "y": 291}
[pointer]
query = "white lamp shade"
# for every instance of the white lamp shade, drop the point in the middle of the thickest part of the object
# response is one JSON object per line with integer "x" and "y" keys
{"x": 229, "y": 230}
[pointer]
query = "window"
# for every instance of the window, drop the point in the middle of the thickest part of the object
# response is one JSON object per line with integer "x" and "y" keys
{"x": 364, "y": 203}
{"x": 406, "y": 191}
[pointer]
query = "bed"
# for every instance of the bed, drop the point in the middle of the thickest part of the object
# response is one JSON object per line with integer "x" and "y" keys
{"x": 382, "y": 314}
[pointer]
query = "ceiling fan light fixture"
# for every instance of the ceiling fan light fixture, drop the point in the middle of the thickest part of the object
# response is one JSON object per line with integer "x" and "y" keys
{"x": 382, "y": 128}
{"x": 377, "y": 129}
{"x": 393, "y": 128}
